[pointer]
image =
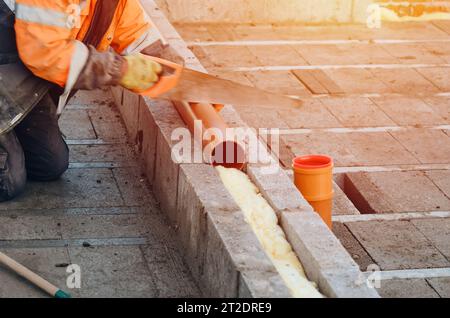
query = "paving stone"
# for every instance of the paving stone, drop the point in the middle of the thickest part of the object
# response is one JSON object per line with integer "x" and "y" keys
{"x": 236, "y": 77}
{"x": 407, "y": 288}
{"x": 409, "y": 111}
{"x": 132, "y": 186}
{"x": 314, "y": 81}
{"x": 194, "y": 33}
{"x": 441, "y": 178}
{"x": 353, "y": 247}
{"x": 281, "y": 82}
{"x": 441, "y": 105}
{"x": 102, "y": 226}
{"x": 96, "y": 97}
{"x": 76, "y": 188}
{"x": 108, "y": 124}
{"x": 265, "y": 118}
{"x": 440, "y": 49}
{"x": 203, "y": 57}
{"x": 437, "y": 231}
{"x": 277, "y": 55}
{"x": 324, "y": 55}
{"x": 357, "y": 112}
{"x": 438, "y": 76}
{"x": 99, "y": 153}
{"x": 113, "y": 272}
{"x": 171, "y": 275}
{"x": 396, "y": 245}
{"x": 429, "y": 146}
{"x": 395, "y": 192}
{"x": 411, "y": 53}
{"x": 312, "y": 114}
{"x": 358, "y": 81}
{"x": 221, "y": 32}
{"x": 405, "y": 81}
{"x": 76, "y": 124}
{"x": 42, "y": 261}
{"x": 367, "y": 53}
{"x": 231, "y": 56}
{"x": 352, "y": 149}
{"x": 28, "y": 227}
{"x": 441, "y": 286}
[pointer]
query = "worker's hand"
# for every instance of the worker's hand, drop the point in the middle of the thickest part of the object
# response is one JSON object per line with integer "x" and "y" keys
{"x": 141, "y": 73}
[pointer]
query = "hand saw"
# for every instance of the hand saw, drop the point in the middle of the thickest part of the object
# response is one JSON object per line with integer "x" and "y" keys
{"x": 183, "y": 84}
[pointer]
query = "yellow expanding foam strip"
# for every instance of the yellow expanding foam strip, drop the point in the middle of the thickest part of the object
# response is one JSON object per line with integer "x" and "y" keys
{"x": 264, "y": 222}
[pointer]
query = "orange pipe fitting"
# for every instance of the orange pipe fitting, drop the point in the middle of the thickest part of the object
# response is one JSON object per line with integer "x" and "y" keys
{"x": 227, "y": 153}
{"x": 313, "y": 176}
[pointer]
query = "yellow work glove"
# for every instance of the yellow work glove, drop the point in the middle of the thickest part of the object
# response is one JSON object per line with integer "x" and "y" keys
{"x": 141, "y": 73}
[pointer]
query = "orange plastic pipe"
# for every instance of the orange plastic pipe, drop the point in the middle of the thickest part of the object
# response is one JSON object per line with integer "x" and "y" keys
{"x": 313, "y": 176}
{"x": 227, "y": 153}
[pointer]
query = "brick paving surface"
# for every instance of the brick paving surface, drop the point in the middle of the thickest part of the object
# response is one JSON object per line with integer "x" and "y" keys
{"x": 101, "y": 216}
{"x": 372, "y": 98}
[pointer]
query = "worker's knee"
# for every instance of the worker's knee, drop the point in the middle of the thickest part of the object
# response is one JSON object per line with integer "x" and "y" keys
{"x": 49, "y": 166}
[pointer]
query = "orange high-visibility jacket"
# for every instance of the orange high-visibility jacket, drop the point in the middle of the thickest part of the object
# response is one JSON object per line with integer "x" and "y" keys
{"x": 49, "y": 35}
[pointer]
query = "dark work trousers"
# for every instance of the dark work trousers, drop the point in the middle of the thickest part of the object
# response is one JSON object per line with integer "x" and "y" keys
{"x": 35, "y": 149}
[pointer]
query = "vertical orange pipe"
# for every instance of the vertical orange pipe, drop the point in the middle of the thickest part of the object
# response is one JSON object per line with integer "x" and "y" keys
{"x": 313, "y": 176}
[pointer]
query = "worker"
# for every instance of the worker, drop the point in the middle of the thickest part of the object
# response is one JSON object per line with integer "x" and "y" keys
{"x": 48, "y": 50}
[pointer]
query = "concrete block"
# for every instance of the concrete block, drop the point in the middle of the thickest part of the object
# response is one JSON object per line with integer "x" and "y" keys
{"x": 146, "y": 140}
{"x": 324, "y": 258}
{"x": 396, "y": 245}
{"x": 166, "y": 177}
{"x": 117, "y": 94}
{"x": 231, "y": 248}
{"x": 260, "y": 284}
{"x": 279, "y": 190}
{"x": 130, "y": 113}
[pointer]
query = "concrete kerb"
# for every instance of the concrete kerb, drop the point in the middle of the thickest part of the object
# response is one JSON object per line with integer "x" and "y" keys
{"x": 221, "y": 250}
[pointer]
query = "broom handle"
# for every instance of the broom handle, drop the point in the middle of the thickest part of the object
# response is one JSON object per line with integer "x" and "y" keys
{"x": 29, "y": 275}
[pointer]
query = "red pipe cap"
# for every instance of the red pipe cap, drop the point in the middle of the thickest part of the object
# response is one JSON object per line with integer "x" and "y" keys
{"x": 312, "y": 162}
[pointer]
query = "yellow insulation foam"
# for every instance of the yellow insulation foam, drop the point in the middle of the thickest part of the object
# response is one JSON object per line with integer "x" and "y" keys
{"x": 264, "y": 222}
